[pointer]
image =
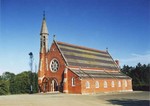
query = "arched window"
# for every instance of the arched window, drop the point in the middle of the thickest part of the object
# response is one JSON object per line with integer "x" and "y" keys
{"x": 96, "y": 84}
{"x": 105, "y": 84}
{"x": 73, "y": 81}
{"x": 87, "y": 84}
{"x": 125, "y": 83}
{"x": 112, "y": 84}
{"x": 119, "y": 84}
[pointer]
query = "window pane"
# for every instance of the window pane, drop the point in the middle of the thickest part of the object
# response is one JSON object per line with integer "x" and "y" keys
{"x": 97, "y": 84}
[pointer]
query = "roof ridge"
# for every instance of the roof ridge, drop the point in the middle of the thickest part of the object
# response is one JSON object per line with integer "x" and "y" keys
{"x": 82, "y": 47}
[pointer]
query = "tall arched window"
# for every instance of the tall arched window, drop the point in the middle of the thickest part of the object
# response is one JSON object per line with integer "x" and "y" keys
{"x": 87, "y": 84}
{"x": 105, "y": 84}
{"x": 96, "y": 84}
{"x": 112, "y": 84}
{"x": 119, "y": 84}
{"x": 73, "y": 81}
{"x": 125, "y": 83}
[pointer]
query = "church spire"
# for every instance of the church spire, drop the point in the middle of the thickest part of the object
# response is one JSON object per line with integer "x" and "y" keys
{"x": 44, "y": 36}
{"x": 43, "y": 49}
{"x": 44, "y": 26}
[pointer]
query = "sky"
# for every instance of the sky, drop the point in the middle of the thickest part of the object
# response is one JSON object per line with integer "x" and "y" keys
{"x": 122, "y": 26}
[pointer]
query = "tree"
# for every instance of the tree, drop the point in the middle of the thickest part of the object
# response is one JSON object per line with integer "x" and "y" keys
{"x": 20, "y": 83}
{"x": 127, "y": 70}
{"x": 3, "y": 88}
{"x": 139, "y": 74}
{"x": 7, "y": 75}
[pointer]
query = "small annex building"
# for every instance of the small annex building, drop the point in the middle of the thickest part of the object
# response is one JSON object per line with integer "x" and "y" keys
{"x": 75, "y": 69}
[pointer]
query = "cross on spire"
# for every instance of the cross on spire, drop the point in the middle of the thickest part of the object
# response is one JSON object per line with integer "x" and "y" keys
{"x": 106, "y": 49}
{"x": 44, "y": 14}
{"x": 54, "y": 36}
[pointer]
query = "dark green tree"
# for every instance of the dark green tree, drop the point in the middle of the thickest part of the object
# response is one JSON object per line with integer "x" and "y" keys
{"x": 5, "y": 81}
{"x": 139, "y": 74}
{"x": 7, "y": 75}
{"x": 21, "y": 83}
{"x": 3, "y": 87}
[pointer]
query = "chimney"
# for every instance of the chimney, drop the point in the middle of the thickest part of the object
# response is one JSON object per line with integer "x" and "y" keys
{"x": 117, "y": 62}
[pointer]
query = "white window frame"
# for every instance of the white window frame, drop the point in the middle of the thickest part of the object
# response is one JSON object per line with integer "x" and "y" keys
{"x": 119, "y": 83}
{"x": 112, "y": 84}
{"x": 105, "y": 84}
{"x": 73, "y": 81}
{"x": 97, "y": 84}
{"x": 87, "y": 84}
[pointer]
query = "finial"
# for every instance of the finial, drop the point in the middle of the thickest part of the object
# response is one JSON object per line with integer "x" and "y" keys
{"x": 44, "y": 14}
{"x": 54, "y": 37}
{"x": 106, "y": 49}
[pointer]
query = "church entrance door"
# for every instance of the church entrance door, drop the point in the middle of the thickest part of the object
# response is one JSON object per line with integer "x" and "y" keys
{"x": 45, "y": 85}
{"x": 54, "y": 85}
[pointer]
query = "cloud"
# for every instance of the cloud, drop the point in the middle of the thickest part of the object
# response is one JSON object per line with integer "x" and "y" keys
{"x": 136, "y": 58}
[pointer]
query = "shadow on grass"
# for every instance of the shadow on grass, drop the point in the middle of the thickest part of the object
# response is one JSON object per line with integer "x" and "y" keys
{"x": 130, "y": 102}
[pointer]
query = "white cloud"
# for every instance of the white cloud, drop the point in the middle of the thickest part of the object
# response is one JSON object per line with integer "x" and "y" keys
{"x": 136, "y": 58}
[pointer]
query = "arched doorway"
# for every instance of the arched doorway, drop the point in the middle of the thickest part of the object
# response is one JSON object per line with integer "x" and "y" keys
{"x": 53, "y": 85}
{"x": 49, "y": 85}
{"x": 45, "y": 85}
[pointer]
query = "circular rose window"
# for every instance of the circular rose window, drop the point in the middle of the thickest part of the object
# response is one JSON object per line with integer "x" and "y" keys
{"x": 54, "y": 65}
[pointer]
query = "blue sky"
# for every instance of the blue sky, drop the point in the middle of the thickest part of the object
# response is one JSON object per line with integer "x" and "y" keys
{"x": 121, "y": 25}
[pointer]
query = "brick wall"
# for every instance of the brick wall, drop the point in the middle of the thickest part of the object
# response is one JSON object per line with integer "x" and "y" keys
{"x": 102, "y": 88}
{"x": 76, "y": 88}
{"x": 46, "y": 72}
{"x": 54, "y": 53}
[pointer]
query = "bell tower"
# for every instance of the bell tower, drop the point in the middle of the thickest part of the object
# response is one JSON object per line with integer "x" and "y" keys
{"x": 43, "y": 51}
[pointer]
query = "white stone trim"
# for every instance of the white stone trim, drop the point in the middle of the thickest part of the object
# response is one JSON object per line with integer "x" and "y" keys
{"x": 65, "y": 91}
{"x": 65, "y": 79}
{"x": 66, "y": 70}
{"x": 41, "y": 64}
{"x": 73, "y": 81}
{"x": 41, "y": 78}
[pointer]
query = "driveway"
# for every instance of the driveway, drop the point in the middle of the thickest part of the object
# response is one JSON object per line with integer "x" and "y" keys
{"x": 58, "y": 99}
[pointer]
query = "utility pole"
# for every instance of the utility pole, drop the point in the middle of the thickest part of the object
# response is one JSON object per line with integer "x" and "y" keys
{"x": 35, "y": 78}
{"x": 31, "y": 65}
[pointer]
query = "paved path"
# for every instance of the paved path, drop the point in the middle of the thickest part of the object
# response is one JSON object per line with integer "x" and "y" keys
{"x": 103, "y": 99}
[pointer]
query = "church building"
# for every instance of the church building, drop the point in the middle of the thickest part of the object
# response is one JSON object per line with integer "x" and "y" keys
{"x": 75, "y": 69}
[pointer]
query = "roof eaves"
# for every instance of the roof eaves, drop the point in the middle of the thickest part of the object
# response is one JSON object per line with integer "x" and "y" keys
{"x": 125, "y": 75}
{"x": 73, "y": 72}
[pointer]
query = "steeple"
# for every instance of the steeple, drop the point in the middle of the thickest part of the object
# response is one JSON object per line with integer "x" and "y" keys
{"x": 44, "y": 26}
{"x": 43, "y": 62}
{"x": 44, "y": 36}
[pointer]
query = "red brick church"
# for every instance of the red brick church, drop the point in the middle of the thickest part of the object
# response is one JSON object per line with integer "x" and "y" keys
{"x": 75, "y": 69}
